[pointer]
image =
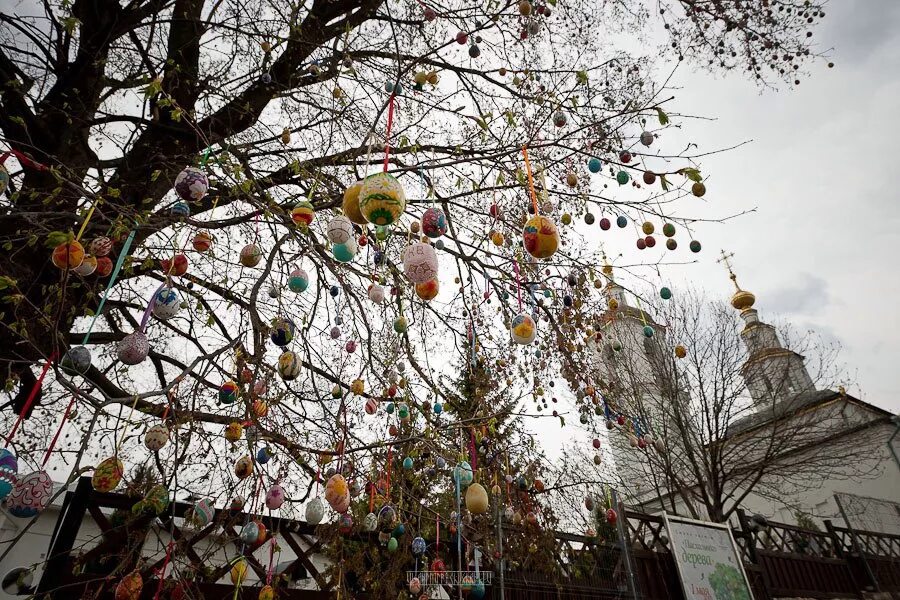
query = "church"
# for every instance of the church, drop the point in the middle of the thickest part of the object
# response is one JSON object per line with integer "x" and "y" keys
{"x": 709, "y": 412}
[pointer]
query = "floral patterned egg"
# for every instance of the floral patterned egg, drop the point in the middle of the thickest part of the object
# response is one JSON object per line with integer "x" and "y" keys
{"x": 203, "y": 512}
{"x": 315, "y": 511}
{"x": 156, "y": 501}
{"x": 418, "y": 545}
{"x": 191, "y": 184}
{"x": 420, "y": 263}
{"x": 415, "y": 586}
{"x": 30, "y": 495}
{"x": 108, "y": 474}
{"x": 166, "y": 304}
{"x": 540, "y": 237}
{"x": 129, "y": 588}
{"x": 156, "y": 437}
{"x": 288, "y": 366}
{"x": 275, "y": 497}
{"x": 243, "y": 468}
{"x": 9, "y": 468}
{"x": 381, "y": 199}
{"x": 337, "y": 493}
{"x": 133, "y": 348}
{"x": 345, "y": 523}
{"x": 283, "y": 330}
{"x": 434, "y": 222}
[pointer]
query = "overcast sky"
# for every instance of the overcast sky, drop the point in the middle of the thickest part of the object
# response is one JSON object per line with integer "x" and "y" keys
{"x": 820, "y": 249}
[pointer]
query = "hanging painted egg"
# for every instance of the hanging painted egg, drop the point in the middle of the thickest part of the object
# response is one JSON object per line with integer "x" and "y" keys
{"x": 87, "y": 266}
{"x": 376, "y": 293}
{"x": 249, "y": 533}
{"x": 275, "y": 497}
{"x": 156, "y": 437}
{"x": 76, "y": 361}
{"x": 393, "y": 544}
{"x": 337, "y": 493}
{"x": 191, "y": 184}
{"x": 289, "y": 366}
{"x": 418, "y": 545}
{"x": 243, "y": 468}
{"x": 166, "y": 304}
{"x": 180, "y": 209}
{"x": 401, "y": 325}
{"x": 315, "y": 511}
{"x": 415, "y": 586}
{"x": 428, "y": 290}
{"x": 68, "y": 255}
{"x": 408, "y": 463}
{"x": 339, "y": 230}
{"x": 203, "y": 512}
{"x": 108, "y": 474}
{"x": 202, "y": 241}
{"x": 104, "y": 266}
{"x": 523, "y": 329}
{"x": 540, "y": 237}
{"x": 130, "y": 587}
{"x": 560, "y": 119}
{"x": 462, "y": 473}
{"x": 594, "y": 165}
{"x": 303, "y": 213}
{"x": 438, "y": 566}
{"x": 420, "y": 263}
{"x": 381, "y": 199}
{"x": 9, "y": 468}
{"x": 476, "y": 499}
{"x": 622, "y": 177}
{"x": 251, "y": 255}
{"x": 345, "y": 253}
{"x": 370, "y": 523}
{"x": 694, "y": 246}
{"x": 100, "y": 246}
{"x": 263, "y": 455}
{"x": 239, "y": 571}
{"x": 371, "y": 406}
{"x": 30, "y": 495}
{"x": 266, "y": 592}
{"x": 648, "y": 331}
{"x": 434, "y": 222}
{"x": 133, "y": 348}
{"x": 233, "y": 431}
{"x": 611, "y": 516}
{"x": 298, "y": 281}
{"x": 177, "y": 265}
{"x": 680, "y": 351}
{"x": 283, "y": 330}
{"x": 351, "y": 204}
{"x": 228, "y": 393}
{"x": 698, "y": 189}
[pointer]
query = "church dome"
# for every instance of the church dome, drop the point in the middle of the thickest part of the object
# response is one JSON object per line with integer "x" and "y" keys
{"x": 742, "y": 300}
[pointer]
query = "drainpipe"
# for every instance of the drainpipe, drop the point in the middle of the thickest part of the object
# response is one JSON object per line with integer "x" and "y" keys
{"x": 896, "y": 421}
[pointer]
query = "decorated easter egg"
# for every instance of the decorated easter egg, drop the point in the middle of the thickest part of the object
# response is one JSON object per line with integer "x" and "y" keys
{"x": 9, "y": 468}
{"x": 87, "y": 266}
{"x": 438, "y": 566}
{"x": 665, "y": 293}
{"x": 275, "y": 497}
{"x": 298, "y": 281}
{"x": 418, "y": 545}
{"x": 540, "y": 237}
{"x": 315, "y": 511}
{"x": 104, "y": 266}
{"x": 250, "y": 255}
{"x": 76, "y": 361}
{"x": 339, "y": 230}
{"x": 381, "y": 199}
{"x": 249, "y": 533}
{"x": 523, "y": 329}
{"x": 337, "y": 493}
{"x": 191, "y": 184}
{"x": 30, "y": 495}
{"x": 462, "y": 473}
{"x": 202, "y": 241}
{"x": 68, "y": 255}
{"x": 133, "y": 348}
{"x": 233, "y": 431}
{"x": 303, "y": 213}
{"x": 177, "y": 265}
{"x": 289, "y": 366}
{"x": 263, "y": 455}
{"x": 371, "y": 406}
{"x": 238, "y": 571}
{"x": 415, "y": 586}
{"x": 694, "y": 246}
{"x": 100, "y": 246}
{"x": 266, "y": 592}
{"x": 243, "y": 468}
{"x": 108, "y": 474}
{"x": 180, "y": 209}
{"x": 203, "y": 512}
{"x": 370, "y": 523}
{"x": 698, "y": 189}
{"x": 420, "y": 263}
{"x": 376, "y": 293}
{"x": 345, "y": 523}
{"x": 350, "y": 205}
{"x": 428, "y": 290}
{"x": 260, "y": 407}
{"x": 680, "y": 351}
{"x": 283, "y": 330}
{"x": 594, "y": 165}
{"x": 130, "y": 586}
{"x": 344, "y": 253}
{"x": 434, "y": 222}
{"x": 476, "y": 499}
{"x": 167, "y": 304}
{"x": 156, "y": 437}
{"x": 408, "y": 463}
{"x": 228, "y": 393}
{"x": 401, "y": 324}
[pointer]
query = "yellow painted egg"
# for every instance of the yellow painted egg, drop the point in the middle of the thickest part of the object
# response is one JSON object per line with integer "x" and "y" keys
{"x": 381, "y": 199}
{"x": 540, "y": 237}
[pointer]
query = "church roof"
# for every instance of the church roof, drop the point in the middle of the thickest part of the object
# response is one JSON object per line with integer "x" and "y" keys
{"x": 790, "y": 406}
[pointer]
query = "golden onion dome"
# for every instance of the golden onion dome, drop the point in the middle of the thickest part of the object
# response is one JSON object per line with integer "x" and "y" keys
{"x": 743, "y": 299}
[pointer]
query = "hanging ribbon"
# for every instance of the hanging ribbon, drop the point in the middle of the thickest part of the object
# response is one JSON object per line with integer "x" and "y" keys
{"x": 26, "y": 162}
{"x": 150, "y": 306}
{"x": 58, "y": 431}
{"x": 87, "y": 218}
{"x": 270, "y": 570}
{"x": 112, "y": 280}
{"x": 162, "y": 571}
{"x": 530, "y": 180}
{"x": 387, "y": 135}
{"x": 31, "y": 396}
